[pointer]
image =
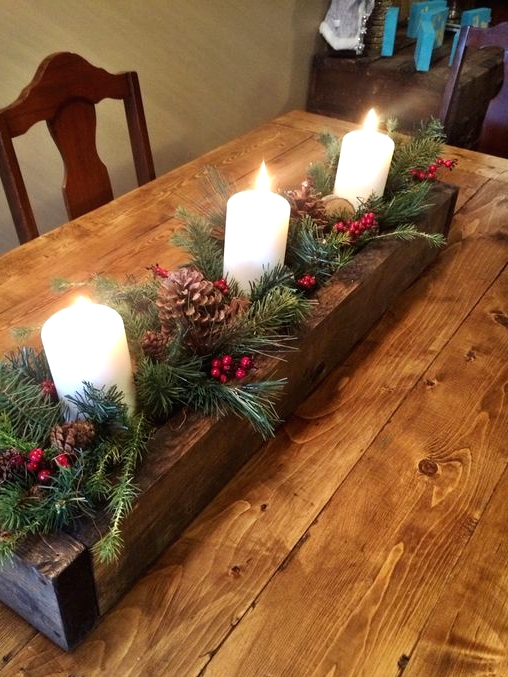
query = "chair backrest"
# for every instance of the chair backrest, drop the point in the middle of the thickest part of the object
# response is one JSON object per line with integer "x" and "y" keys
{"x": 63, "y": 93}
{"x": 493, "y": 137}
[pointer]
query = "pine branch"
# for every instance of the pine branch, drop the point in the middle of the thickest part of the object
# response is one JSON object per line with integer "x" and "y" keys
{"x": 205, "y": 249}
{"x": 123, "y": 493}
{"x": 34, "y": 366}
{"x": 253, "y": 401}
{"x": 163, "y": 387}
{"x": 278, "y": 276}
{"x": 409, "y": 231}
{"x": 8, "y": 437}
{"x": 106, "y": 407}
{"x": 322, "y": 178}
{"x": 332, "y": 146}
{"x": 280, "y": 310}
{"x": 30, "y": 412}
{"x": 415, "y": 153}
{"x": 308, "y": 251}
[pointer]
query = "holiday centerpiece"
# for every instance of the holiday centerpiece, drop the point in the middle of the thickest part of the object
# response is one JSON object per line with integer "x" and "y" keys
{"x": 202, "y": 342}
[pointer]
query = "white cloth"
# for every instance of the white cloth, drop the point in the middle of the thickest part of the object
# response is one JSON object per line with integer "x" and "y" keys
{"x": 342, "y": 25}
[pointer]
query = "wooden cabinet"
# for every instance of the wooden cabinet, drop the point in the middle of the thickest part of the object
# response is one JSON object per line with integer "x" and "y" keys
{"x": 347, "y": 87}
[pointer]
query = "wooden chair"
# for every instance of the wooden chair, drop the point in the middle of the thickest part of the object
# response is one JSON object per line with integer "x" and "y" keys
{"x": 63, "y": 93}
{"x": 493, "y": 136}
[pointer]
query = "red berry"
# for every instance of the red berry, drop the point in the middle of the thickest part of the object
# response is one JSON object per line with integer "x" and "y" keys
{"x": 223, "y": 378}
{"x": 62, "y": 460}
{"x": 215, "y": 373}
{"x": 44, "y": 475}
{"x": 48, "y": 388}
{"x": 158, "y": 271}
{"x": 32, "y": 467}
{"x": 240, "y": 373}
{"x": 246, "y": 362}
{"x": 216, "y": 363}
{"x": 36, "y": 455}
{"x": 222, "y": 285}
{"x": 226, "y": 360}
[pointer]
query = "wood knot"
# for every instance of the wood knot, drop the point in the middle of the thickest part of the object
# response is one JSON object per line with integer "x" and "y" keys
{"x": 402, "y": 663}
{"x": 431, "y": 382}
{"x": 500, "y": 317}
{"x": 263, "y": 507}
{"x": 428, "y": 467}
{"x": 235, "y": 571}
{"x": 471, "y": 355}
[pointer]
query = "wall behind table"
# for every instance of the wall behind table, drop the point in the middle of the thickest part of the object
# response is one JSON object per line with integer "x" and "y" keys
{"x": 209, "y": 70}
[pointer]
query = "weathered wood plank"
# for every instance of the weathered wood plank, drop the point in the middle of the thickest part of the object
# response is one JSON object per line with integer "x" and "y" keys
{"x": 50, "y": 584}
{"x": 468, "y": 632}
{"x": 383, "y": 559}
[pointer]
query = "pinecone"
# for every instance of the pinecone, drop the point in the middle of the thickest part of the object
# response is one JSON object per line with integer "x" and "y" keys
{"x": 188, "y": 302}
{"x": 305, "y": 202}
{"x": 73, "y": 435}
{"x": 11, "y": 460}
{"x": 154, "y": 344}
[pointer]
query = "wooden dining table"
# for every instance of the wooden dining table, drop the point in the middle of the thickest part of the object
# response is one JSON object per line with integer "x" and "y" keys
{"x": 369, "y": 537}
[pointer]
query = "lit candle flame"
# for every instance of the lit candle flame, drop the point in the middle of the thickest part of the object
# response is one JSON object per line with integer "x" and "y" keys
{"x": 371, "y": 121}
{"x": 263, "y": 180}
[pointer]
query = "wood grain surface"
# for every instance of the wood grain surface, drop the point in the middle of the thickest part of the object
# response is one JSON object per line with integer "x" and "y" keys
{"x": 368, "y": 537}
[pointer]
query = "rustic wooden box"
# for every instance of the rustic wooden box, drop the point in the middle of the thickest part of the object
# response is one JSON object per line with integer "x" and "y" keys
{"x": 56, "y": 584}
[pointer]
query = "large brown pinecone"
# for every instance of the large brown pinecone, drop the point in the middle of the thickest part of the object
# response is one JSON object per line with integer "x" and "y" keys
{"x": 305, "y": 202}
{"x": 11, "y": 460}
{"x": 188, "y": 302}
{"x": 73, "y": 435}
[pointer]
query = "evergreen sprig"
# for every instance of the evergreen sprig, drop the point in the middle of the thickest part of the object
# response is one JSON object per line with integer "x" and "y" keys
{"x": 308, "y": 251}
{"x": 196, "y": 237}
{"x": 253, "y": 401}
{"x": 29, "y": 411}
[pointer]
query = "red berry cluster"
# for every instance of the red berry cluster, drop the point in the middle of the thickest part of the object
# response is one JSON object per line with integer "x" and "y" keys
{"x": 356, "y": 228}
{"x": 306, "y": 282}
{"x": 222, "y": 285}
{"x": 226, "y": 367}
{"x": 430, "y": 173}
{"x": 36, "y": 462}
{"x": 158, "y": 271}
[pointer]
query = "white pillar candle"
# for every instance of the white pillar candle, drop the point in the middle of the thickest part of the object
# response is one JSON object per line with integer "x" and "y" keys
{"x": 364, "y": 162}
{"x": 256, "y": 232}
{"x": 87, "y": 342}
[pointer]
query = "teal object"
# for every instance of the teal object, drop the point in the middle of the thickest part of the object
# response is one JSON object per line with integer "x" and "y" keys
{"x": 392, "y": 17}
{"x": 480, "y": 18}
{"x": 418, "y": 10}
{"x": 430, "y": 35}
